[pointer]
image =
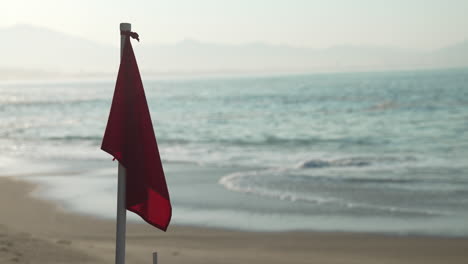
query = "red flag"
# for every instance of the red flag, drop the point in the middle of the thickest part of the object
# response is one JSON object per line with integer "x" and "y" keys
{"x": 129, "y": 137}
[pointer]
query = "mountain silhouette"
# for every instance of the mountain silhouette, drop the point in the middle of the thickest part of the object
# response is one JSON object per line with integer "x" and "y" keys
{"x": 29, "y": 50}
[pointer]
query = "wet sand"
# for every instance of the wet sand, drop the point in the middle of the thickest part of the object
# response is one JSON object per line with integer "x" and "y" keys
{"x": 37, "y": 231}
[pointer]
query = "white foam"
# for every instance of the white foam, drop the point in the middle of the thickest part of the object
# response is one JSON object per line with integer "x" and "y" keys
{"x": 238, "y": 182}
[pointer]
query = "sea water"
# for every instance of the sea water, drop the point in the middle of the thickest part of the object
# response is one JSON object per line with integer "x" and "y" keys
{"x": 372, "y": 152}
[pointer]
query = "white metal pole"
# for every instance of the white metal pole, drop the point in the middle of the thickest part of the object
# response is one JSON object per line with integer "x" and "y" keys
{"x": 121, "y": 208}
{"x": 155, "y": 257}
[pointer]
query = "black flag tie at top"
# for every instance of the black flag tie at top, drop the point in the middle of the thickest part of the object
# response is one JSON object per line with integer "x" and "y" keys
{"x": 133, "y": 35}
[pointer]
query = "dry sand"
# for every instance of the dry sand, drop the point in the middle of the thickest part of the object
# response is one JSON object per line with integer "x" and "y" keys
{"x": 36, "y": 231}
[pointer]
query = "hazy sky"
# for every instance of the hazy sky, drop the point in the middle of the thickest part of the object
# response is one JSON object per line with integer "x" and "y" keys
{"x": 416, "y": 24}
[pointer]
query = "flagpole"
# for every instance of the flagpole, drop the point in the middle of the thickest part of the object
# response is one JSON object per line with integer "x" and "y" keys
{"x": 121, "y": 208}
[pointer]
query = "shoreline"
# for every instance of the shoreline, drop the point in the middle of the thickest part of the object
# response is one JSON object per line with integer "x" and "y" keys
{"x": 38, "y": 231}
{"x": 69, "y": 191}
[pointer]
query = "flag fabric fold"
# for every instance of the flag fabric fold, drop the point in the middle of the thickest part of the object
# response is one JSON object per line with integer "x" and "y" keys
{"x": 129, "y": 138}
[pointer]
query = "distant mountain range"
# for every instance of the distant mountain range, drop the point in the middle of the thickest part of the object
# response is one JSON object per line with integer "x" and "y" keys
{"x": 33, "y": 52}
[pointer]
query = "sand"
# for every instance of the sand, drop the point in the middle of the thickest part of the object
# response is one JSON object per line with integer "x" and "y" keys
{"x": 37, "y": 231}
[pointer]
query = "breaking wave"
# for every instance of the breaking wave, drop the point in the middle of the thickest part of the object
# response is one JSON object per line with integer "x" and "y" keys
{"x": 352, "y": 162}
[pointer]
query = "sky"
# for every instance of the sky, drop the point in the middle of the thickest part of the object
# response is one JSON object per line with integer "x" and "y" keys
{"x": 409, "y": 24}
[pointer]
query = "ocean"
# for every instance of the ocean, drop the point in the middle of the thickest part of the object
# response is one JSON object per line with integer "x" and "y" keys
{"x": 357, "y": 152}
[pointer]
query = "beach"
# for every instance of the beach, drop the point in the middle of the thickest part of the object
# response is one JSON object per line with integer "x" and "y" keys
{"x": 320, "y": 168}
{"x": 251, "y": 131}
{"x": 37, "y": 231}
